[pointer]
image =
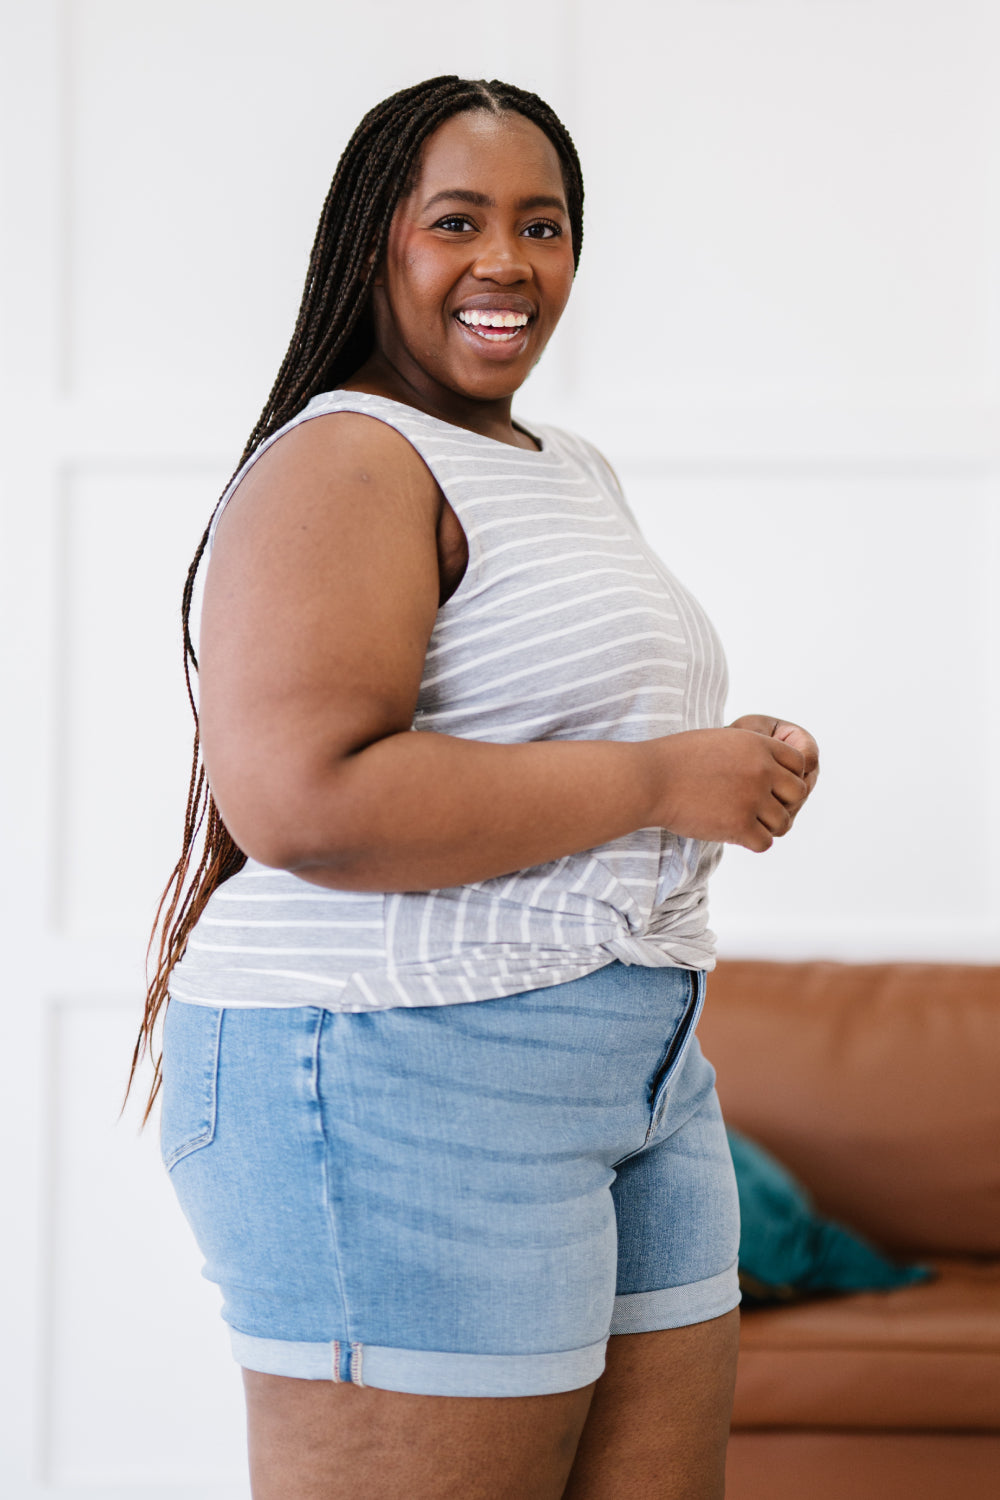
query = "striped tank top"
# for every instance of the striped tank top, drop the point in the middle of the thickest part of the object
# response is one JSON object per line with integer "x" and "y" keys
{"x": 565, "y": 626}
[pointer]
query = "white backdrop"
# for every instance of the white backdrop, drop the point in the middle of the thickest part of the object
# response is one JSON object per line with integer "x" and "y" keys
{"x": 786, "y": 337}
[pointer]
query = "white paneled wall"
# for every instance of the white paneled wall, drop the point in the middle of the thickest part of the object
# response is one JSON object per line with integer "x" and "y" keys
{"x": 139, "y": 1381}
{"x": 800, "y": 195}
{"x": 785, "y": 334}
{"x": 128, "y": 535}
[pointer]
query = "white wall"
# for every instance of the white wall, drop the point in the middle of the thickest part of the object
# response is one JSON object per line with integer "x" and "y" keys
{"x": 784, "y": 334}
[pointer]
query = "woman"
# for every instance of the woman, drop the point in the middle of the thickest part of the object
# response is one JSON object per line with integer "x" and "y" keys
{"x": 432, "y": 1098}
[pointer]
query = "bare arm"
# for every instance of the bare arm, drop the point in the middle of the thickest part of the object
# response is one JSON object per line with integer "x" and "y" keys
{"x": 320, "y": 600}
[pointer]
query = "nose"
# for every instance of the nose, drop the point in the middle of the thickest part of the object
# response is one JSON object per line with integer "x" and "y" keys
{"x": 502, "y": 258}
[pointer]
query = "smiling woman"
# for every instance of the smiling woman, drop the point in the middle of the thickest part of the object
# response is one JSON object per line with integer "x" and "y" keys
{"x": 433, "y": 1100}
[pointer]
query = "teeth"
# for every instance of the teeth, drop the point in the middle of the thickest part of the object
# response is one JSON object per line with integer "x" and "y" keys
{"x": 488, "y": 318}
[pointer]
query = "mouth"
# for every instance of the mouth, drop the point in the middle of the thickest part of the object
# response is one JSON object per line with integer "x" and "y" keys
{"x": 495, "y": 325}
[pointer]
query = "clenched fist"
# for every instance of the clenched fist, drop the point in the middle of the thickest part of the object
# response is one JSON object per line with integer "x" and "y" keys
{"x": 740, "y": 785}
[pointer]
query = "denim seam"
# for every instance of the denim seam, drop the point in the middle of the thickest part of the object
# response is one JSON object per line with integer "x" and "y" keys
{"x": 357, "y": 1363}
{"x": 189, "y": 1146}
{"x": 331, "y": 1217}
{"x": 206, "y": 1136}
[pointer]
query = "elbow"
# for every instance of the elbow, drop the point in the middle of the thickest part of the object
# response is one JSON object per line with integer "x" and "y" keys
{"x": 253, "y": 827}
{"x": 286, "y": 828}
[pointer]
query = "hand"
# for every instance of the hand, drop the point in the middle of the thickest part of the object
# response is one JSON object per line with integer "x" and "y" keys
{"x": 789, "y": 734}
{"x": 733, "y": 786}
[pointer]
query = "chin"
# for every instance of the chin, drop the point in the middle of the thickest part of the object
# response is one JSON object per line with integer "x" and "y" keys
{"x": 490, "y": 385}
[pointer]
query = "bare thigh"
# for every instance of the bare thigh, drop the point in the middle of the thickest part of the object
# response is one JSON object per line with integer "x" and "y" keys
{"x": 653, "y": 1428}
{"x": 658, "y": 1425}
{"x": 305, "y": 1436}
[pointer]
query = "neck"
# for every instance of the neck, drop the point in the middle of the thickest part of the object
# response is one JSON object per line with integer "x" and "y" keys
{"x": 378, "y": 376}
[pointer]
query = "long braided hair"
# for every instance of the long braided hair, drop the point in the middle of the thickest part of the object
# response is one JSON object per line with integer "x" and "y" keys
{"x": 333, "y": 337}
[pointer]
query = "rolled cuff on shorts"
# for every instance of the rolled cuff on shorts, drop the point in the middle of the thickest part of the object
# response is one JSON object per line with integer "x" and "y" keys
{"x": 423, "y": 1372}
{"x": 677, "y": 1306}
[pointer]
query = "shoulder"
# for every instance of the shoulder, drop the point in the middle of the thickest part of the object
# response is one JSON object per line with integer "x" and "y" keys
{"x": 331, "y": 461}
{"x": 331, "y": 447}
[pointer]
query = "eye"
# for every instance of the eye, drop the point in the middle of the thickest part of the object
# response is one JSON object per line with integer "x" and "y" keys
{"x": 455, "y": 223}
{"x": 543, "y": 229}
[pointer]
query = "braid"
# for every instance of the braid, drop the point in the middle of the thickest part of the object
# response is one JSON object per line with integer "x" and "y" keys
{"x": 332, "y": 338}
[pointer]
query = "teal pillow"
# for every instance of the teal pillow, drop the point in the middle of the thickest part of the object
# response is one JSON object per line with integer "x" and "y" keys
{"x": 788, "y": 1250}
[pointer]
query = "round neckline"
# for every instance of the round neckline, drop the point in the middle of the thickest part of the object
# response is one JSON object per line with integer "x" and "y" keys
{"x": 519, "y": 426}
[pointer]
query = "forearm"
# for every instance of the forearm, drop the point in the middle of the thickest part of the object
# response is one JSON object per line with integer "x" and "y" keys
{"x": 417, "y": 811}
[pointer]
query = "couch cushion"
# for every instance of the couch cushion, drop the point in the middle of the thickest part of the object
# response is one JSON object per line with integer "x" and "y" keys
{"x": 922, "y": 1357}
{"x": 862, "y": 1466}
{"x": 877, "y": 1085}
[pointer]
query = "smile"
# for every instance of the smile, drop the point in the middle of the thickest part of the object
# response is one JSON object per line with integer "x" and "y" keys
{"x": 498, "y": 325}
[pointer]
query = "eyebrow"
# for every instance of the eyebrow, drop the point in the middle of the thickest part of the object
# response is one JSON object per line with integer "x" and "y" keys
{"x": 483, "y": 200}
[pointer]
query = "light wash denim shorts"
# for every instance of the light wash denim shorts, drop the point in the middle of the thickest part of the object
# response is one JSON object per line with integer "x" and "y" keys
{"x": 458, "y": 1200}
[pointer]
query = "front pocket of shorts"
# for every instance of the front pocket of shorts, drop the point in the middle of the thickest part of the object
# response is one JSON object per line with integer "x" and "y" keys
{"x": 191, "y": 1036}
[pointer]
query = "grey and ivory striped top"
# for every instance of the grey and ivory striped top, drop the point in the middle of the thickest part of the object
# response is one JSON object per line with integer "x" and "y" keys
{"x": 565, "y": 626}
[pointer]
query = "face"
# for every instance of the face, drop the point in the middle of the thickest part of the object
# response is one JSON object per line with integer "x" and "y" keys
{"x": 479, "y": 261}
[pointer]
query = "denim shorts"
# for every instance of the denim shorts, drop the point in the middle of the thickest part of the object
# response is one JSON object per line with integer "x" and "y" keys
{"x": 457, "y": 1200}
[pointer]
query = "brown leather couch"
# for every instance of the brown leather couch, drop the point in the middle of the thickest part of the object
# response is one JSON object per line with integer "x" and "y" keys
{"x": 879, "y": 1086}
